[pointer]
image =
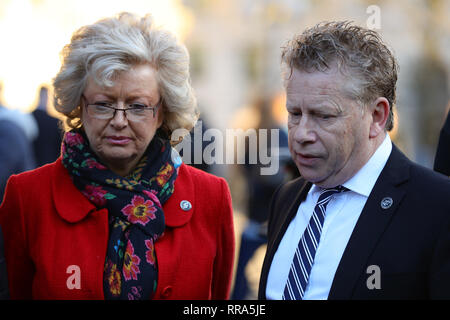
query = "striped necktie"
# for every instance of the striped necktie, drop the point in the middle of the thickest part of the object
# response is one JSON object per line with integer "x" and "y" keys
{"x": 307, "y": 246}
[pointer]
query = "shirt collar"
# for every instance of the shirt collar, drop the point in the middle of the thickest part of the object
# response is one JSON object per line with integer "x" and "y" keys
{"x": 364, "y": 180}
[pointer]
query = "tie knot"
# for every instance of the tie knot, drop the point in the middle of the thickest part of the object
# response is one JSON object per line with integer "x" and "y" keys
{"x": 341, "y": 188}
{"x": 329, "y": 192}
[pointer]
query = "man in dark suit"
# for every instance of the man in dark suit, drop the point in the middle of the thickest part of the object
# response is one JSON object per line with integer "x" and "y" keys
{"x": 362, "y": 221}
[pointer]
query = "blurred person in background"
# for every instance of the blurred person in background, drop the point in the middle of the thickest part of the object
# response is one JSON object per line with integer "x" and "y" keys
{"x": 259, "y": 191}
{"x": 197, "y": 160}
{"x": 442, "y": 158}
{"x": 17, "y": 130}
{"x": 121, "y": 216}
{"x": 47, "y": 145}
{"x": 362, "y": 221}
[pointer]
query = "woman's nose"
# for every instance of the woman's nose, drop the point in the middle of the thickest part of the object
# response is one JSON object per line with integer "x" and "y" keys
{"x": 119, "y": 119}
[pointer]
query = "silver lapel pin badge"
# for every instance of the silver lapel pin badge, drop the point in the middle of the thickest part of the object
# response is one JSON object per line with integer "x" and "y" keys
{"x": 185, "y": 205}
{"x": 386, "y": 203}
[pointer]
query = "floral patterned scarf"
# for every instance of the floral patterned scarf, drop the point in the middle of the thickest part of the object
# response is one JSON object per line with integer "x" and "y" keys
{"x": 134, "y": 203}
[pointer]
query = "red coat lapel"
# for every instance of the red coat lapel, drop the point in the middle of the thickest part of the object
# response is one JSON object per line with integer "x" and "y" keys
{"x": 184, "y": 191}
{"x": 70, "y": 203}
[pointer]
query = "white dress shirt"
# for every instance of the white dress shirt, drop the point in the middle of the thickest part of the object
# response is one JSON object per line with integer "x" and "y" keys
{"x": 342, "y": 213}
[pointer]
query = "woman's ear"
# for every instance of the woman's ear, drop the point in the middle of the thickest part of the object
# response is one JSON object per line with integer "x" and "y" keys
{"x": 160, "y": 115}
{"x": 379, "y": 110}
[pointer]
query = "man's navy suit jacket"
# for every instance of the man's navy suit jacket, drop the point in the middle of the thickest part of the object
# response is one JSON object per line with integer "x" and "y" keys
{"x": 409, "y": 241}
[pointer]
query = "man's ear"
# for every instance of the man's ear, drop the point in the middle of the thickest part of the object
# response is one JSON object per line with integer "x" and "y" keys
{"x": 379, "y": 110}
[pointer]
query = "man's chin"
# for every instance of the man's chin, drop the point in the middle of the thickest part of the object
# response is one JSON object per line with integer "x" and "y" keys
{"x": 315, "y": 178}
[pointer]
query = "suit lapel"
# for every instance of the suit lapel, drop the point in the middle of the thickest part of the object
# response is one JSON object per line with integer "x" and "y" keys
{"x": 378, "y": 211}
{"x": 288, "y": 214}
{"x": 289, "y": 199}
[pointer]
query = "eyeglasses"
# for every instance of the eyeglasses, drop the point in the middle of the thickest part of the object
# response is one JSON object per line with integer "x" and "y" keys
{"x": 133, "y": 112}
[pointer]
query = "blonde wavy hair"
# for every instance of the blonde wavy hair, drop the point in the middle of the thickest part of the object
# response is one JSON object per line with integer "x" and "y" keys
{"x": 113, "y": 45}
{"x": 359, "y": 53}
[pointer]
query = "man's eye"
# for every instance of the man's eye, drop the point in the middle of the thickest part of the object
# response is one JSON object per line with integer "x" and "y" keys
{"x": 324, "y": 116}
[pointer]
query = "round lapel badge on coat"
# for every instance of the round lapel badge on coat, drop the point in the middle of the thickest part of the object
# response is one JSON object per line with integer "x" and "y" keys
{"x": 185, "y": 205}
{"x": 386, "y": 203}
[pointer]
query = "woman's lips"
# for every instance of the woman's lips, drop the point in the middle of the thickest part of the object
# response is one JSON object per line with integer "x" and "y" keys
{"x": 118, "y": 140}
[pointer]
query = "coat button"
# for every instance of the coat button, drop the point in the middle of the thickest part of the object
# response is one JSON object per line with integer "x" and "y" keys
{"x": 166, "y": 292}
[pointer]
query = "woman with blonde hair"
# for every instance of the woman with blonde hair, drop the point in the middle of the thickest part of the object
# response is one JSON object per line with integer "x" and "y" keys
{"x": 118, "y": 215}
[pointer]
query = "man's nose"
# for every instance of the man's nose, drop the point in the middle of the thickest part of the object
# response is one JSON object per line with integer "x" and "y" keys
{"x": 305, "y": 131}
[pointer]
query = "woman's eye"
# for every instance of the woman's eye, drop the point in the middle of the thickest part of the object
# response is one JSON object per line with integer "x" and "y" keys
{"x": 103, "y": 104}
{"x": 100, "y": 108}
{"x": 138, "y": 106}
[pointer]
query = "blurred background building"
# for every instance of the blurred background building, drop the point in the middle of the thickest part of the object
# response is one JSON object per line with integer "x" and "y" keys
{"x": 235, "y": 58}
